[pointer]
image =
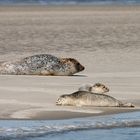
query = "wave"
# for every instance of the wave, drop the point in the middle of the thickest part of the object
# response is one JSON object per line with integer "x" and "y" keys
{"x": 44, "y": 130}
{"x": 36, "y": 130}
{"x": 59, "y": 2}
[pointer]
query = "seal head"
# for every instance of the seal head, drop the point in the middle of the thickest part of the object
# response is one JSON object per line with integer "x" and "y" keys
{"x": 99, "y": 88}
{"x": 96, "y": 88}
{"x": 71, "y": 65}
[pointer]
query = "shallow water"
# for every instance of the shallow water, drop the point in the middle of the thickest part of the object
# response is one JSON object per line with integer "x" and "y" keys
{"x": 120, "y": 126}
{"x": 60, "y": 2}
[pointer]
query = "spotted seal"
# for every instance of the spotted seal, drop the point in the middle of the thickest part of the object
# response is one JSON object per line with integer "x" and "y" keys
{"x": 96, "y": 88}
{"x": 85, "y": 98}
{"x": 42, "y": 64}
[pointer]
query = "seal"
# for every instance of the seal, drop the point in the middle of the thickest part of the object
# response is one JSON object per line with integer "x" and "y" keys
{"x": 85, "y": 98}
{"x": 96, "y": 88}
{"x": 42, "y": 64}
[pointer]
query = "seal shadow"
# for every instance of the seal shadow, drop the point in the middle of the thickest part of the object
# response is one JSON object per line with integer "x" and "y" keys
{"x": 78, "y": 75}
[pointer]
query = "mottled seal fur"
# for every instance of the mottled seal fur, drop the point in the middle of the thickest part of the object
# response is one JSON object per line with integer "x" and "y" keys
{"x": 96, "y": 88}
{"x": 42, "y": 64}
{"x": 84, "y": 98}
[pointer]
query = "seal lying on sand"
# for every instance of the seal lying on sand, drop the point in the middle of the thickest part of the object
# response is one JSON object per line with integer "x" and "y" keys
{"x": 96, "y": 88}
{"x": 43, "y": 64}
{"x": 84, "y": 98}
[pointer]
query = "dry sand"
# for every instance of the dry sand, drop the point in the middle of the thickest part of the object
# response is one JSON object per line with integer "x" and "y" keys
{"x": 106, "y": 40}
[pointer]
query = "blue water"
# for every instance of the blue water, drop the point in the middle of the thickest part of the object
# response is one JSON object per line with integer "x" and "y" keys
{"x": 125, "y": 126}
{"x": 59, "y": 2}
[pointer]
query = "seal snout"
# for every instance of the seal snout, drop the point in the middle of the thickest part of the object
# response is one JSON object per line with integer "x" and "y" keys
{"x": 80, "y": 67}
{"x": 59, "y": 101}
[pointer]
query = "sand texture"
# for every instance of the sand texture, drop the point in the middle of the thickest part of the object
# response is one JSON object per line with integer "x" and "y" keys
{"x": 106, "y": 40}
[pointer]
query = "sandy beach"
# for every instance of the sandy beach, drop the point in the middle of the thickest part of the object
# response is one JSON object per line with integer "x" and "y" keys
{"x": 105, "y": 39}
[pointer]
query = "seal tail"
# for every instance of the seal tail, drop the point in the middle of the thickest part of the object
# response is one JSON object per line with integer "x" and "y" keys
{"x": 128, "y": 105}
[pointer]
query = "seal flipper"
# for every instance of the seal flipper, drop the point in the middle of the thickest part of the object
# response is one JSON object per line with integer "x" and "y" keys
{"x": 128, "y": 105}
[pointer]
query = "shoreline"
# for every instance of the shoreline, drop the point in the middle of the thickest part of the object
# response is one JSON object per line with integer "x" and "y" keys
{"x": 64, "y": 115}
{"x": 69, "y": 113}
{"x": 60, "y": 115}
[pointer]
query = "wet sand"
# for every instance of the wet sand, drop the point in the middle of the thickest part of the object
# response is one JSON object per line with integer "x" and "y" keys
{"x": 104, "y": 39}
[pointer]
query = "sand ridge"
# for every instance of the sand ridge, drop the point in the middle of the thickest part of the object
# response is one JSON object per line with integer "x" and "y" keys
{"x": 104, "y": 39}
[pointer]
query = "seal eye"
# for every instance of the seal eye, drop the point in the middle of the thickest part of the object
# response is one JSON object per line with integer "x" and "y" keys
{"x": 78, "y": 65}
{"x": 98, "y": 85}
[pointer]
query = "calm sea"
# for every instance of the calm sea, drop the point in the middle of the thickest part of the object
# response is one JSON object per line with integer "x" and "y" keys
{"x": 125, "y": 126}
{"x": 73, "y": 2}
